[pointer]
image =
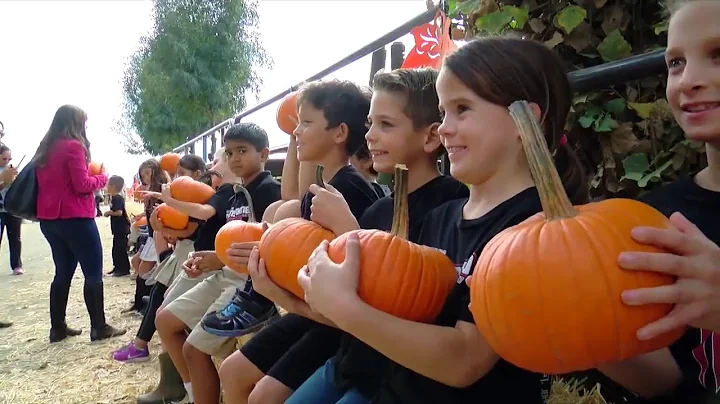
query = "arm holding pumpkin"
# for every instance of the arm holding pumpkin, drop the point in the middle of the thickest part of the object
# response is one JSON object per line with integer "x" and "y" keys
{"x": 81, "y": 181}
{"x": 456, "y": 356}
{"x": 196, "y": 210}
{"x": 652, "y": 375}
{"x": 330, "y": 210}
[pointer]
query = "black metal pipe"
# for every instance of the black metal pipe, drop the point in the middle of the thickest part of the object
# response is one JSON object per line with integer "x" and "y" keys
{"x": 398, "y": 32}
{"x": 379, "y": 59}
{"x": 606, "y": 75}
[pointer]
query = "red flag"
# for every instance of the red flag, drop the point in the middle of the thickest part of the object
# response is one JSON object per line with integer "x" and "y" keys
{"x": 432, "y": 43}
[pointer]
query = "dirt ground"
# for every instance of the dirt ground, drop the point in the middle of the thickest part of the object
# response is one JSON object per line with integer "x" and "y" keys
{"x": 75, "y": 370}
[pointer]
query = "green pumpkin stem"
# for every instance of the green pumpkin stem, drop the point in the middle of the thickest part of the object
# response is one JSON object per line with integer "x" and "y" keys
{"x": 555, "y": 202}
{"x": 240, "y": 188}
{"x": 318, "y": 176}
{"x": 400, "y": 224}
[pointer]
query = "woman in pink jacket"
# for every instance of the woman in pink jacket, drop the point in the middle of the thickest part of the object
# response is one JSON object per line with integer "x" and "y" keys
{"x": 66, "y": 211}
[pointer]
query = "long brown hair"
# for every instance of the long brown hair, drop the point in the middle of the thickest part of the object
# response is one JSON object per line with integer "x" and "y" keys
{"x": 68, "y": 123}
{"x": 502, "y": 70}
{"x": 158, "y": 177}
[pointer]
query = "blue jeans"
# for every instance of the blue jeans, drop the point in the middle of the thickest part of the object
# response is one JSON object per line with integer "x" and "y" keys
{"x": 320, "y": 388}
{"x": 74, "y": 241}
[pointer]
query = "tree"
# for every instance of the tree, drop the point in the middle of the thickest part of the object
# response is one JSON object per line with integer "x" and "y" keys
{"x": 191, "y": 72}
{"x": 626, "y": 134}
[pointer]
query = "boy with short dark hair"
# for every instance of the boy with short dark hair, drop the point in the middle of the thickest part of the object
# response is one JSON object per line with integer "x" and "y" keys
{"x": 332, "y": 127}
{"x": 119, "y": 226}
{"x": 246, "y": 146}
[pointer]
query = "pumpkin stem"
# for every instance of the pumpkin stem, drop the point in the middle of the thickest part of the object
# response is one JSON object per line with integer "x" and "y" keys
{"x": 555, "y": 202}
{"x": 400, "y": 223}
{"x": 318, "y": 176}
{"x": 239, "y": 188}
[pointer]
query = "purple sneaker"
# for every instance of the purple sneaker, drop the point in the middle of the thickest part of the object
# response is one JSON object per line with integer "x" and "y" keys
{"x": 131, "y": 354}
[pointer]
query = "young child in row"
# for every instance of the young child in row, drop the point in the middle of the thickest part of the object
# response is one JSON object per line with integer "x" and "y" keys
{"x": 362, "y": 161}
{"x": 119, "y": 226}
{"x": 246, "y": 146}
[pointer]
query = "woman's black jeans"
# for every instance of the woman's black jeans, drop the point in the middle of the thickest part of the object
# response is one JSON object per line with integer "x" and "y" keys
{"x": 73, "y": 242}
{"x": 12, "y": 224}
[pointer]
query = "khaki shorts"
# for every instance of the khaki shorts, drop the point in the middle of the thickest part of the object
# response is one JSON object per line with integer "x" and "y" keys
{"x": 211, "y": 294}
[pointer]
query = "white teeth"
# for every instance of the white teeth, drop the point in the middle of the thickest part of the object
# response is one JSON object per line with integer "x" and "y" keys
{"x": 455, "y": 149}
{"x": 701, "y": 107}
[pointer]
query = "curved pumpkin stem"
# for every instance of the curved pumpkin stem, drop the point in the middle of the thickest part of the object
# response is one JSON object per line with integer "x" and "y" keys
{"x": 555, "y": 202}
{"x": 318, "y": 176}
{"x": 239, "y": 188}
{"x": 400, "y": 224}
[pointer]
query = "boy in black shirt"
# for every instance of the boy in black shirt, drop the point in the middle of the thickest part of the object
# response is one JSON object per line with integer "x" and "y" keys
{"x": 403, "y": 130}
{"x": 332, "y": 127}
{"x": 119, "y": 226}
{"x": 246, "y": 146}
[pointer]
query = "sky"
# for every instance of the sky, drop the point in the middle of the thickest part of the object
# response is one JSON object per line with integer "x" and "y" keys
{"x": 74, "y": 52}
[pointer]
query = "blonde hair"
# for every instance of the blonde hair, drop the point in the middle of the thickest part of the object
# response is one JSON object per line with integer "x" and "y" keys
{"x": 220, "y": 155}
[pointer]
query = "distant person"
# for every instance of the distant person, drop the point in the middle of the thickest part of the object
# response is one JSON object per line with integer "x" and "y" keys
{"x": 66, "y": 211}
{"x": 7, "y": 221}
{"x": 119, "y": 226}
{"x": 98, "y": 200}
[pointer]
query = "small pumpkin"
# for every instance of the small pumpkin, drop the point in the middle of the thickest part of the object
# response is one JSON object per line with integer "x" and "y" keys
{"x": 140, "y": 222}
{"x": 169, "y": 162}
{"x": 286, "y": 247}
{"x": 238, "y": 231}
{"x": 286, "y": 117}
{"x": 186, "y": 189}
{"x": 94, "y": 168}
{"x": 545, "y": 294}
{"x": 172, "y": 218}
{"x": 397, "y": 276}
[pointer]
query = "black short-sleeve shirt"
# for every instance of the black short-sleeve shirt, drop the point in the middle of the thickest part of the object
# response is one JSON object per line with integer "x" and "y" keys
{"x": 119, "y": 225}
{"x": 463, "y": 241}
{"x": 698, "y": 351}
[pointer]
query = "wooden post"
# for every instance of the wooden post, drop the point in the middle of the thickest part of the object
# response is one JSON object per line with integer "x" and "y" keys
{"x": 379, "y": 58}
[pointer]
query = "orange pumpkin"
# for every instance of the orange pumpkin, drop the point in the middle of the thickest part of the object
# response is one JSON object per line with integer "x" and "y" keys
{"x": 287, "y": 118}
{"x": 94, "y": 168}
{"x": 545, "y": 294}
{"x": 169, "y": 162}
{"x": 237, "y": 231}
{"x": 172, "y": 218}
{"x": 140, "y": 222}
{"x": 416, "y": 292}
{"x": 187, "y": 189}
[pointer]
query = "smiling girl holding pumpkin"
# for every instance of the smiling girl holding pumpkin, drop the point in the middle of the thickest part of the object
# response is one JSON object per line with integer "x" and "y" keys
{"x": 690, "y": 369}
{"x": 450, "y": 361}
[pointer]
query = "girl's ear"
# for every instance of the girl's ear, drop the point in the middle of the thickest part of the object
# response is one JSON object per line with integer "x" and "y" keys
{"x": 537, "y": 113}
{"x": 432, "y": 138}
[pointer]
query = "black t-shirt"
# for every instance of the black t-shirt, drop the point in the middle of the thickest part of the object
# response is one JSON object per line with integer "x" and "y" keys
{"x": 357, "y": 365}
{"x": 231, "y": 205}
{"x": 698, "y": 351}
{"x": 119, "y": 225}
{"x": 463, "y": 241}
{"x": 150, "y": 205}
{"x": 381, "y": 189}
{"x": 357, "y": 191}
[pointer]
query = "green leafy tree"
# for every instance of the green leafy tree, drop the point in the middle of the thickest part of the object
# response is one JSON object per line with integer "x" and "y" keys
{"x": 191, "y": 72}
{"x": 626, "y": 135}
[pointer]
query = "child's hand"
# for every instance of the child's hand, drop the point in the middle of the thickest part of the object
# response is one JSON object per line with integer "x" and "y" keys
{"x": 263, "y": 284}
{"x": 207, "y": 261}
{"x": 239, "y": 253}
{"x": 695, "y": 260}
{"x": 150, "y": 194}
{"x": 155, "y": 222}
{"x": 190, "y": 267}
{"x": 330, "y": 210}
{"x": 165, "y": 194}
{"x": 107, "y": 214}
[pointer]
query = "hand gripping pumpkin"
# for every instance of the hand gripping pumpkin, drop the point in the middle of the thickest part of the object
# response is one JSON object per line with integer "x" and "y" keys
{"x": 287, "y": 118}
{"x": 238, "y": 231}
{"x": 94, "y": 168}
{"x": 169, "y": 162}
{"x": 286, "y": 247}
{"x": 545, "y": 294}
{"x": 187, "y": 189}
{"x": 401, "y": 278}
{"x": 172, "y": 218}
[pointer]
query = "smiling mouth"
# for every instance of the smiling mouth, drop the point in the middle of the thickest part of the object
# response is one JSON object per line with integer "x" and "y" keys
{"x": 375, "y": 153}
{"x": 455, "y": 149}
{"x": 700, "y": 107}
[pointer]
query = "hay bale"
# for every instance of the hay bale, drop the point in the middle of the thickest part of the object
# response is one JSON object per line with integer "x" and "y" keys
{"x": 573, "y": 392}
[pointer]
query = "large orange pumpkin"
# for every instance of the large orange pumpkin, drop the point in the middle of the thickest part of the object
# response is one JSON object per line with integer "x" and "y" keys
{"x": 94, "y": 168}
{"x": 397, "y": 276}
{"x": 237, "y": 231}
{"x": 545, "y": 294}
{"x": 287, "y": 118}
{"x": 172, "y": 218}
{"x": 187, "y": 189}
{"x": 286, "y": 246}
{"x": 169, "y": 162}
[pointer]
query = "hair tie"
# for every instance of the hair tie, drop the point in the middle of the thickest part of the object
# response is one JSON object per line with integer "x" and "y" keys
{"x": 563, "y": 140}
